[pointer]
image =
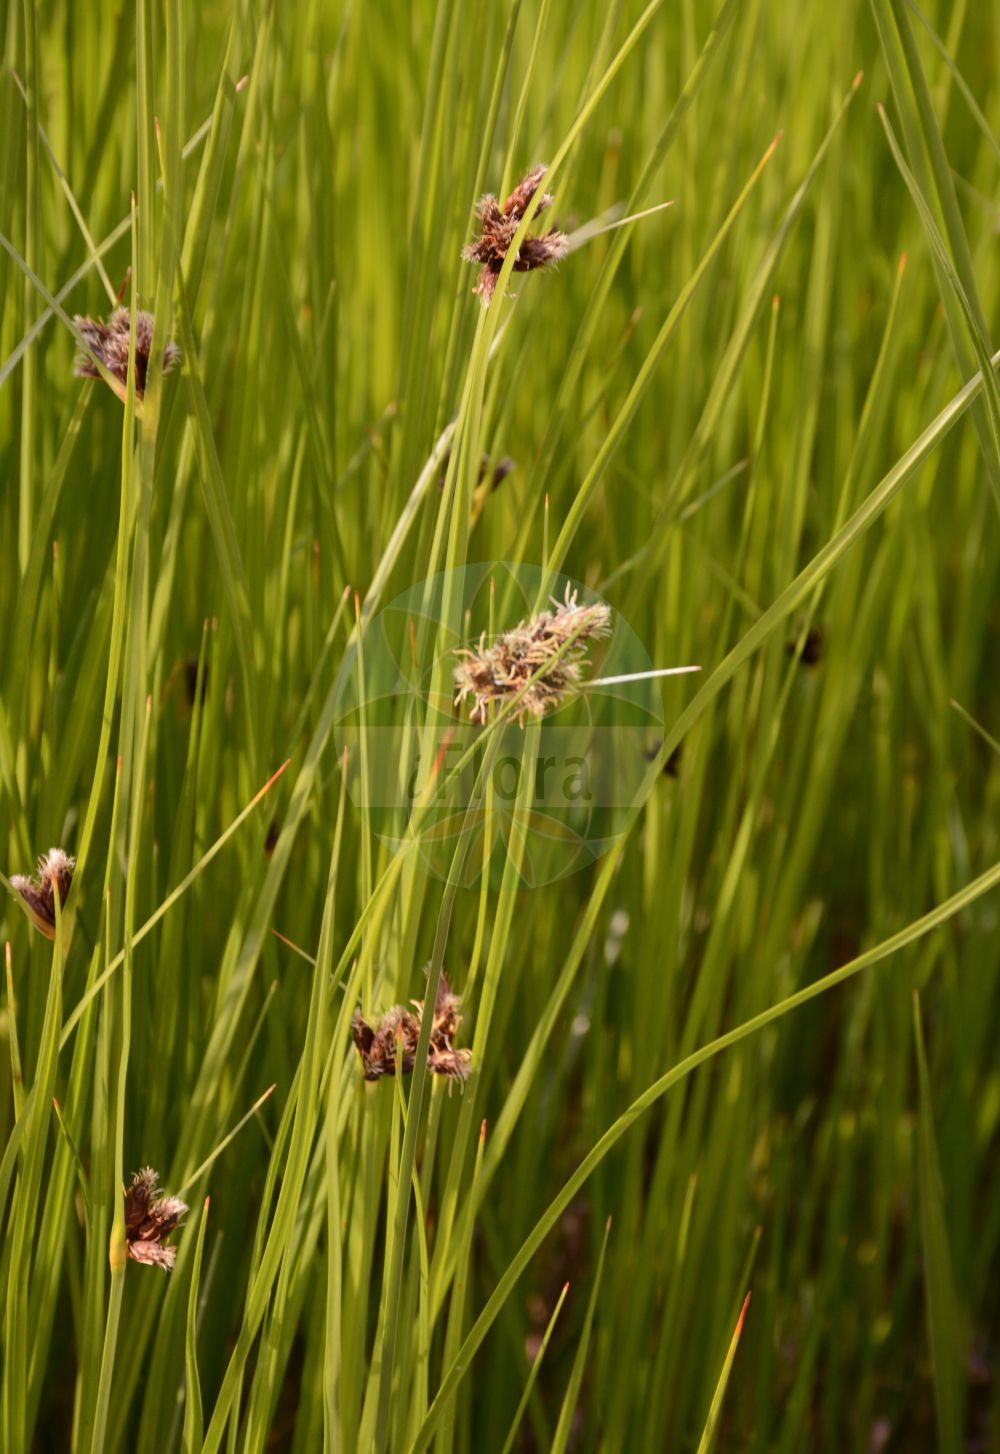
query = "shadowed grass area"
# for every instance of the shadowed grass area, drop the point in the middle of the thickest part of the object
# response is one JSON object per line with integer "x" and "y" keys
{"x": 707, "y": 965}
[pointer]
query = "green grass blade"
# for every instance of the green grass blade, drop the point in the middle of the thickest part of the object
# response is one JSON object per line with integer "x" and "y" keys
{"x": 533, "y": 1375}
{"x": 980, "y": 343}
{"x": 193, "y": 1426}
{"x": 564, "y": 1427}
{"x": 707, "y": 1441}
{"x": 944, "y": 1326}
{"x": 931, "y": 921}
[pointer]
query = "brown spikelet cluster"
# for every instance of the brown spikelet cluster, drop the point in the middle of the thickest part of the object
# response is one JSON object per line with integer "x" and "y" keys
{"x": 109, "y": 342}
{"x": 498, "y": 223}
{"x": 498, "y": 672}
{"x": 391, "y": 1046}
{"x": 491, "y": 473}
{"x": 55, "y": 874}
{"x": 811, "y": 653}
{"x": 150, "y": 1217}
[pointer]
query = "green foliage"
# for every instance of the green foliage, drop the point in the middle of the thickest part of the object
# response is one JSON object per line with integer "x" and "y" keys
{"x": 756, "y": 423}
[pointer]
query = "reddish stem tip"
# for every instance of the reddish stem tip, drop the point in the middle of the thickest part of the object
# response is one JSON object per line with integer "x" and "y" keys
{"x": 272, "y": 780}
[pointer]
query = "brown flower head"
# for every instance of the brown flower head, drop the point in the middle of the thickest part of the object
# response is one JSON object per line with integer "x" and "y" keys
{"x": 811, "y": 653}
{"x": 55, "y": 873}
{"x": 498, "y": 224}
{"x": 498, "y": 672}
{"x": 491, "y": 475}
{"x": 109, "y": 342}
{"x": 150, "y": 1217}
{"x": 391, "y": 1046}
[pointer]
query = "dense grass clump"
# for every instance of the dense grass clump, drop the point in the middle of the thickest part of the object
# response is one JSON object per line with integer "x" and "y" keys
{"x": 382, "y": 1079}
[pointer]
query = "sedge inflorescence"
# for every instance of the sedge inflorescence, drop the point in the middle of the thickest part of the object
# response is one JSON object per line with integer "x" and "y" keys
{"x": 498, "y": 223}
{"x": 540, "y": 662}
{"x": 390, "y": 1047}
{"x": 54, "y": 875}
{"x": 109, "y": 342}
{"x": 150, "y": 1217}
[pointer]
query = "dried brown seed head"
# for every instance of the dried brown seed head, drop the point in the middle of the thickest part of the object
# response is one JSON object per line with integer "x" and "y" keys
{"x": 150, "y": 1217}
{"x": 517, "y": 203}
{"x": 55, "y": 874}
{"x": 390, "y": 1047}
{"x": 497, "y": 226}
{"x": 455, "y": 1064}
{"x": 551, "y": 648}
{"x": 109, "y": 342}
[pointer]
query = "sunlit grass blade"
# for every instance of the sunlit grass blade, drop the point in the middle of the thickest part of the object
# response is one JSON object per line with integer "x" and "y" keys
{"x": 707, "y": 1441}
{"x": 230, "y": 1136}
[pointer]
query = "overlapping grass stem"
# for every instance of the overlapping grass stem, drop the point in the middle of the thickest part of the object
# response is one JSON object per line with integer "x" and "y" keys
{"x": 728, "y": 1021}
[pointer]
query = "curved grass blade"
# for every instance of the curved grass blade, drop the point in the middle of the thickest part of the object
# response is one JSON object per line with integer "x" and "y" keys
{"x": 980, "y": 343}
{"x": 925, "y": 925}
{"x": 929, "y": 162}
